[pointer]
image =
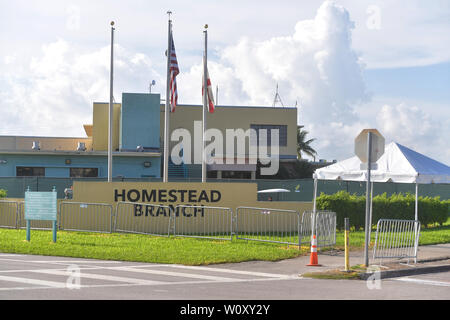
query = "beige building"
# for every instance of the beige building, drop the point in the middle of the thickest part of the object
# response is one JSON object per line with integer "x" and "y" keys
{"x": 225, "y": 118}
{"x": 138, "y": 137}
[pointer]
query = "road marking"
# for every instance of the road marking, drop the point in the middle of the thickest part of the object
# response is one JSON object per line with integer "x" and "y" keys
{"x": 428, "y": 282}
{"x": 102, "y": 277}
{"x": 62, "y": 261}
{"x": 175, "y": 274}
{"x": 252, "y": 273}
{"x": 51, "y": 284}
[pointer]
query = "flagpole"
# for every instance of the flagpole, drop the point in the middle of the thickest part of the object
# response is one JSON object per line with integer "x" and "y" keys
{"x": 205, "y": 103}
{"x": 167, "y": 108}
{"x": 111, "y": 100}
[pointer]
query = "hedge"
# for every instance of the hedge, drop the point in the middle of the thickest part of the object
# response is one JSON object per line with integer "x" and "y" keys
{"x": 2, "y": 193}
{"x": 397, "y": 206}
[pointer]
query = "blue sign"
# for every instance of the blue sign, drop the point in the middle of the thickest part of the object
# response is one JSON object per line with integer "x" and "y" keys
{"x": 41, "y": 206}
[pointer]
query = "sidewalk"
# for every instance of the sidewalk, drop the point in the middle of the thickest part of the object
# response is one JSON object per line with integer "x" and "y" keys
{"x": 432, "y": 258}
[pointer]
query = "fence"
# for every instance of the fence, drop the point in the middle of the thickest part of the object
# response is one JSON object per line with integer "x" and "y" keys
{"x": 9, "y": 214}
{"x": 325, "y": 227}
{"x": 267, "y": 224}
{"x": 301, "y": 189}
{"x": 143, "y": 218}
{"x": 34, "y": 224}
{"x": 396, "y": 239}
{"x": 248, "y": 223}
{"x": 89, "y": 217}
{"x": 203, "y": 222}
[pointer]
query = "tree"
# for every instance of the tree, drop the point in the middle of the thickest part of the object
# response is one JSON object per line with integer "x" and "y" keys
{"x": 303, "y": 145}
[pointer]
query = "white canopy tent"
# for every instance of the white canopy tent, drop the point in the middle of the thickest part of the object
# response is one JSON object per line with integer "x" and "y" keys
{"x": 398, "y": 164}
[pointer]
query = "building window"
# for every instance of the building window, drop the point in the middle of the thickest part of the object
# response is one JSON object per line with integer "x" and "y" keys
{"x": 282, "y": 131}
{"x": 30, "y": 172}
{"x": 83, "y": 172}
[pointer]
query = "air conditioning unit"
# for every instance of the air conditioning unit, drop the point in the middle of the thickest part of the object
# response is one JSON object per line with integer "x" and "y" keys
{"x": 81, "y": 146}
{"x": 36, "y": 145}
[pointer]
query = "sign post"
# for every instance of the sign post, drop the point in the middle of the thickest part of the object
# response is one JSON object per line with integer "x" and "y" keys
{"x": 369, "y": 147}
{"x": 41, "y": 206}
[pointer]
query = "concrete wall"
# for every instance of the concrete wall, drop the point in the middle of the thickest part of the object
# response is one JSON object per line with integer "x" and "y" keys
{"x": 101, "y": 124}
{"x": 130, "y": 167}
{"x": 46, "y": 143}
{"x": 139, "y": 124}
{"x": 229, "y": 195}
{"x": 229, "y": 117}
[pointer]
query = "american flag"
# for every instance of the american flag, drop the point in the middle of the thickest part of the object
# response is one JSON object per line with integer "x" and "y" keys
{"x": 174, "y": 71}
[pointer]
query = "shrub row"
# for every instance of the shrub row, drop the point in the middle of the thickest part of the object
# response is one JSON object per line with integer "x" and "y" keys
{"x": 397, "y": 206}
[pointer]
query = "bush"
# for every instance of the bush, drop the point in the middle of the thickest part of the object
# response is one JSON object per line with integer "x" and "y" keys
{"x": 397, "y": 206}
{"x": 2, "y": 193}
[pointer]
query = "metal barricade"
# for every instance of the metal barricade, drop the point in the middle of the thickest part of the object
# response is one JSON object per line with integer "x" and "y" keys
{"x": 325, "y": 227}
{"x": 87, "y": 217}
{"x": 34, "y": 224}
{"x": 9, "y": 214}
{"x": 203, "y": 222}
{"x": 396, "y": 239}
{"x": 143, "y": 218}
{"x": 268, "y": 225}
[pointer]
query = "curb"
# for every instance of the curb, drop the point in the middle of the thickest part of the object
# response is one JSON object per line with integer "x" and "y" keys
{"x": 406, "y": 272}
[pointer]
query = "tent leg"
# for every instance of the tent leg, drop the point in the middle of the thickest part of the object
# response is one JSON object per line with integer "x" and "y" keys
{"x": 416, "y": 208}
{"x": 315, "y": 195}
{"x": 416, "y": 217}
{"x": 313, "y": 218}
{"x": 371, "y": 203}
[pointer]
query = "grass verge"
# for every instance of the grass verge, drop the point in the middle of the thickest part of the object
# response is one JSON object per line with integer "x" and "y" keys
{"x": 142, "y": 248}
{"x": 188, "y": 251}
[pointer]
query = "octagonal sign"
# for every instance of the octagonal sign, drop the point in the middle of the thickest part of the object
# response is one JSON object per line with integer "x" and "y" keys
{"x": 377, "y": 149}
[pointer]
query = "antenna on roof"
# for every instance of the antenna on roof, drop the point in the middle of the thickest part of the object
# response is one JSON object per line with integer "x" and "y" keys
{"x": 277, "y": 98}
{"x": 217, "y": 95}
{"x": 151, "y": 84}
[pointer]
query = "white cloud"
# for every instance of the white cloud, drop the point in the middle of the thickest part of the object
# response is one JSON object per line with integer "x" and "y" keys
{"x": 53, "y": 94}
{"x": 73, "y": 18}
{"x": 416, "y": 129}
{"x": 319, "y": 64}
{"x": 315, "y": 66}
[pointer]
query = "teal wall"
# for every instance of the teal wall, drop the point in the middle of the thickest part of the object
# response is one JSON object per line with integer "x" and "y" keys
{"x": 139, "y": 122}
{"x": 55, "y": 167}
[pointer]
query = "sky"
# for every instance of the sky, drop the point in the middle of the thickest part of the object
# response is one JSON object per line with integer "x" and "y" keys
{"x": 348, "y": 65}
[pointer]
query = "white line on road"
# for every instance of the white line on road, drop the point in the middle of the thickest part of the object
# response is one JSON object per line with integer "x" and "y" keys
{"x": 174, "y": 274}
{"x": 61, "y": 261}
{"x": 51, "y": 284}
{"x": 428, "y": 282}
{"x": 101, "y": 277}
{"x": 252, "y": 273}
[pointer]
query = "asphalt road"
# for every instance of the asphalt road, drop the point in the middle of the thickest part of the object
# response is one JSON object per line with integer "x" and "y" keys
{"x": 46, "y": 278}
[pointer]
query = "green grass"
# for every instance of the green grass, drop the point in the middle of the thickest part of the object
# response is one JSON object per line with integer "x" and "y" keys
{"x": 333, "y": 275}
{"x": 142, "y": 248}
{"x": 188, "y": 251}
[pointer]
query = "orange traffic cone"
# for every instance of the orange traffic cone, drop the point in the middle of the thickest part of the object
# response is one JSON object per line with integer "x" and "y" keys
{"x": 314, "y": 260}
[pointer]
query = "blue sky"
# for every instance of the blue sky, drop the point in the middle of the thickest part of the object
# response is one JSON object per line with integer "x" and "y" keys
{"x": 430, "y": 83}
{"x": 350, "y": 64}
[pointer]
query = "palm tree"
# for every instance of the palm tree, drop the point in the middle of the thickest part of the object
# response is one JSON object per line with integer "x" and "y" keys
{"x": 303, "y": 145}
